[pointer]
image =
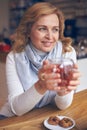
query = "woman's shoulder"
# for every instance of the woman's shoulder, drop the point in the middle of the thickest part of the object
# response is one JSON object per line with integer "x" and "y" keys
{"x": 72, "y": 49}
{"x": 71, "y": 54}
{"x": 10, "y": 57}
{"x": 10, "y": 54}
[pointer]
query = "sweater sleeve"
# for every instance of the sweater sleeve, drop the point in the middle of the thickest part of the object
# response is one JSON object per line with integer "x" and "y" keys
{"x": 62, "y": 102}
{"x": 20, "y": 101}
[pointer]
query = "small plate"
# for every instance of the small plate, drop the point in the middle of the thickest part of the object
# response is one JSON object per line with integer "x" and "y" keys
{"x": 57, "y": 127}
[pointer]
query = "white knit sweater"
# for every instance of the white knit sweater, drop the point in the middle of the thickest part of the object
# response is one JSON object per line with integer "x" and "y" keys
{"x": 20, "y": 102}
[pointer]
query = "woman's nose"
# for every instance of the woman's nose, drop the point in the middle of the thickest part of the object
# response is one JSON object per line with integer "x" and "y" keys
{"x": 49, "y": 34}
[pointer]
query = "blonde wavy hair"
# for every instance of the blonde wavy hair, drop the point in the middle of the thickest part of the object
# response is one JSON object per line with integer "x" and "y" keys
{"x": 32, "y": 14}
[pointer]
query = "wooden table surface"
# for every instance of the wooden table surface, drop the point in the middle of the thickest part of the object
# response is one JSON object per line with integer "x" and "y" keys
{"x": 34, "y": 119}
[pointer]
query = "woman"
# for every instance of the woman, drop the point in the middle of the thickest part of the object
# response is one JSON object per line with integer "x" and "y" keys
{"x": 30, "y": 79}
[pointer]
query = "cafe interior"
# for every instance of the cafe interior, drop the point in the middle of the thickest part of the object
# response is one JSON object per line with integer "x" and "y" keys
{"x": 75, "y": 12}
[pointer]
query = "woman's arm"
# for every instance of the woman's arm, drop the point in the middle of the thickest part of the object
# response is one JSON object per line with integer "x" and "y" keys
{"x": 20, "y": 101}
{"x": 63, "y": 101}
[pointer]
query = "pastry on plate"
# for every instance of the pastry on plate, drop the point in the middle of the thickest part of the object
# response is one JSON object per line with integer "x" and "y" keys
{"x": 53, "y": 120}
{"x": 65, "y": 122}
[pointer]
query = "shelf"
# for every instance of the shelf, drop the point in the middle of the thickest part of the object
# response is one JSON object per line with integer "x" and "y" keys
{"x": 16, "y": 9}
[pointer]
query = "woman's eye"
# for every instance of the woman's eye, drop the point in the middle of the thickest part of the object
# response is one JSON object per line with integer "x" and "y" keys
{"x": 42, "y": 29}
{"x": 56, "y": 30}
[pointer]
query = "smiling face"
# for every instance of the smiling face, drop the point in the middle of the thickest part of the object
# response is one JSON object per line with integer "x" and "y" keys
{"x": 45, "y": 32}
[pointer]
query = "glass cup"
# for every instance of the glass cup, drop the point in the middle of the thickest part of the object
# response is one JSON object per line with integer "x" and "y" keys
{"x": 65, "y": 66}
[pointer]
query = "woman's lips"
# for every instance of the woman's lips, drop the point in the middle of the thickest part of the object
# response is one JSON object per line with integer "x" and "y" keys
{"x": 47, "y": 44}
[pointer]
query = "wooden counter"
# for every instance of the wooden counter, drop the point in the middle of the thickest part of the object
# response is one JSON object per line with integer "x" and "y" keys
{"x": 34, "y": 119}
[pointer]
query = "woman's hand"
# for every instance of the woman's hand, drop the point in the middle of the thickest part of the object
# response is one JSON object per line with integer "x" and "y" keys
{"x": 73, "y": 82}
{"x": 48, "y": 79}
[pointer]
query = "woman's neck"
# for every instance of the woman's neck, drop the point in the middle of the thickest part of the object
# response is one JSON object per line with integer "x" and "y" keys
{"x": 39, "y": 52}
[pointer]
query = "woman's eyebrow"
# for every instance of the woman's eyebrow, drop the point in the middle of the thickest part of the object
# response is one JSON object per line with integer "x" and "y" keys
{"x": 46, "y": 26}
